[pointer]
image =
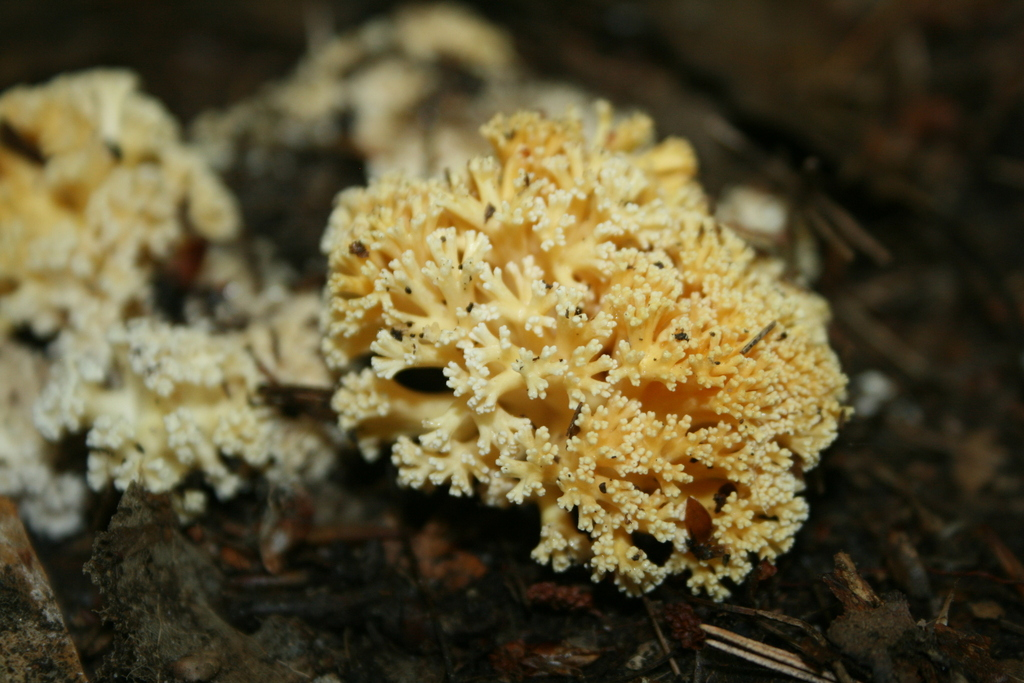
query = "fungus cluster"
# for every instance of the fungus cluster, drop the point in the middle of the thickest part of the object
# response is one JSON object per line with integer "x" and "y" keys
{"x": 97, "y": 196}
{"x": 95, "y": 189}
{"x": 403, "y": 92}
{"x": 178, "y": 400}
{"x": 564, "y": 323}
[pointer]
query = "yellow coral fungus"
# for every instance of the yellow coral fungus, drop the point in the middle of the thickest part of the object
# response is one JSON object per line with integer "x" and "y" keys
{"x": 95, "y": 187}
{"x": 609, "y": 351}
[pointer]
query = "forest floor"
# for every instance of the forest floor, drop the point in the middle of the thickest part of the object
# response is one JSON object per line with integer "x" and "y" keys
{"x": 895, "y": 130}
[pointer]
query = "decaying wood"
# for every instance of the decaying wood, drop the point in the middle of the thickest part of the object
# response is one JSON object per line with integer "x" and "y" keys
{"x": 34, "y": 642}
{"x": 159, "y": 591}
{"x": 849, "y": 587}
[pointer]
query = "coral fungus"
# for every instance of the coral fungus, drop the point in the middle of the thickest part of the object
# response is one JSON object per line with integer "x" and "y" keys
{"x": 50, "y": 502}
{"x": 95, "y": 188}
{"x": 179, "y": 400}
{"x": 565, "y": 323}
{"x": 405, "y": 91}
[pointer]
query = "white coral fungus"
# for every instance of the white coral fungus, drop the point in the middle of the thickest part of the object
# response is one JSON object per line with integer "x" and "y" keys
{"x": 179, "y": 400}
{"x": 51, "y": 503}
{"x": 611, "y": 352}
{"x": 95, "y": 188}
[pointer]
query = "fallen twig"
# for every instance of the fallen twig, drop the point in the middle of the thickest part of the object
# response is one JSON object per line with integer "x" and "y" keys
{"x": 880, "y": 338}
{"x": 765, "y": 655}
{"x": 777, "y": 655}
{"x": 851, "y": 229}
{"x": 758, "y": 337}
{"x": 840, "y": 670}
{"x": 821, "y": 225}
{"x": 661, "y": 638}
{"x": 975, "y": 574}
{"x": 1011, "y": 627}
{"x": 1010, "y": 563}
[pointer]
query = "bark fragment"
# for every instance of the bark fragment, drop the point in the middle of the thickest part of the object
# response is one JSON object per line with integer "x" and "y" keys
{"x": 34, "y": 642}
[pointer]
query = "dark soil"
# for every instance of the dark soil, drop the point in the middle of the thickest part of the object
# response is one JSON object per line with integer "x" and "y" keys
{"x": 910, "y": 116}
